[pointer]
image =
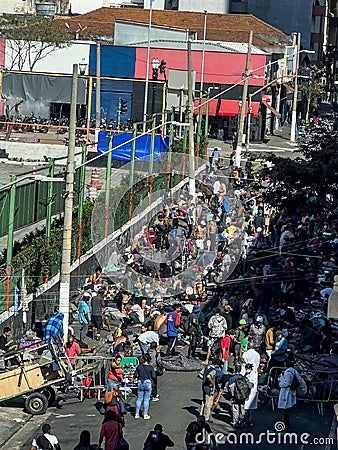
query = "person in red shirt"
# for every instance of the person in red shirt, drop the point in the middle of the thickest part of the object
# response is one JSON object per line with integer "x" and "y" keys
{"x": 111, "y": 431}
{"x": 115, "y": 375}
{"x": 225, "y": 349}
{"x": 72, "y": 350}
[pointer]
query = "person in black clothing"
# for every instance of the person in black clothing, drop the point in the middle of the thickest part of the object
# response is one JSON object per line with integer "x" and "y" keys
{"x": 198, "y": 431}
{"x": 157, "y": 440}
{"x": 5, "y": 342}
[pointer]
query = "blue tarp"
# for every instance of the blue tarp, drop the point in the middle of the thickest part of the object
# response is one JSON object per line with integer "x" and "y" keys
{"x": 142, "y": 152}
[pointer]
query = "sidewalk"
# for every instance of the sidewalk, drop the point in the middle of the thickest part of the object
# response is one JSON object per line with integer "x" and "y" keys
{"x": 14, "y": 418}
{"x": 279, "y": 142}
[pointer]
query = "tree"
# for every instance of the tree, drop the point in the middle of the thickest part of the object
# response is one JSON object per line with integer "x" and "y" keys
{"x": 30, "y": 40}
{"x": 308, "y": 183}
{"x": 311, "y": 86}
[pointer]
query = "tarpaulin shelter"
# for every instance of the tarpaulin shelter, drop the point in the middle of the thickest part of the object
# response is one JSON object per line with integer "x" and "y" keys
{"x": 123, "y": 144}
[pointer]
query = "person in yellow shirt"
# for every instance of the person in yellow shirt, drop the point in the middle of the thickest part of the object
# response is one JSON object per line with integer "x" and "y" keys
{"x": 270, "y": 340}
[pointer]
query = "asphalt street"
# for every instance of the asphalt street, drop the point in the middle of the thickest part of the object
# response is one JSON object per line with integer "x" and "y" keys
{"x": 180, "y": 399}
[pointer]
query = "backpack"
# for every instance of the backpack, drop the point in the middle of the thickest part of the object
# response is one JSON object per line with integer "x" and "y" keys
{"x": 207, "y": 388}
{"x": 294, "y": 383}
{"x": 162, "y": 331}
{"x": 216, "y": 349}
{"x": 242, "y": 388}
{"x": 44, "y": 443}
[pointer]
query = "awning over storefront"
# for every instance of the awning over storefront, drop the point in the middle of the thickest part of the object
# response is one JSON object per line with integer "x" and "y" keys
{"x": 229, "y": 108}
{"x": 212, "y": 107}
{"x": 276, "y": 113}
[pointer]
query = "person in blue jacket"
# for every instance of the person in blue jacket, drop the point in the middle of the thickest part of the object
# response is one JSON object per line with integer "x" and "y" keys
{"x": 173, "y": 321}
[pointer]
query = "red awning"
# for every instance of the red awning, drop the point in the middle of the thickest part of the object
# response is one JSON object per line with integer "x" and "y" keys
{"x": 231, "y": 108}
{"x": 212, "y": 107}
{"x": 276, "y": 113}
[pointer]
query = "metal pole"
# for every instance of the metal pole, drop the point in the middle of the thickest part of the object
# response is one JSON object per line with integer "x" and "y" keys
{"x": 119, "y": 114}
{"x": 181, "y": 111}
{"x": 10, "y": 236}
{"x": 151, "y": 160}
{"x": 107, "y": 192}
{"x": 164, "y": 107}
{"x": 243, "y": 108}
{"x": 146, "y": 88}
{"x": 248, "y": 124}
{"x": 81, "y": 199}
{"x": 131, "y": 171}
{"x": 67, "y": 226}
{"x": 49, "y": 200}
{"x": 98, "y": 85}
{"x": 203, "y": 50}
{"x": 206, "y": 126}
{"x": 191, "y": 128}
{"x": 89, "y": 104}
{"x": 295, "y": 95}
{"x": 171, "y": 139}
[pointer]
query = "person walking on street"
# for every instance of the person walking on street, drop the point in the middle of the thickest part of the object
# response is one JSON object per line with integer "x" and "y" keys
{"x": 208, "y": 376}
{"x": 251, "y": 404}
{"x": 157, "y": 440}
{"x": 217, "y": 326}
{"x": 288, "y": 381}
{"x": 240, "y": 389}
{"x": 98, "y": 308}
{"x": 173, "y": 321}
{"x": 111, "y": 431}
{"x": 84, "y": 317}
{"x": 46, "y": 440}
{"x": 144, "y": 374}
{"x": 197, "y": 432}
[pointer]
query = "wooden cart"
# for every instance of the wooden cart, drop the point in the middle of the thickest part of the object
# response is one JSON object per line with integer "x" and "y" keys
{"x": 33, "y": 373}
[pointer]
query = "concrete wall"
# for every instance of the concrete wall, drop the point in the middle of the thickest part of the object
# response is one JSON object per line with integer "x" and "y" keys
{"x": 36, "y": 151}
{"x": 59, "y": 61}
{"x": 127, "y": 34}
{"x": 16, "y": 6}
{"x": 288, "y": 16}
{"x": 212, "y": 6}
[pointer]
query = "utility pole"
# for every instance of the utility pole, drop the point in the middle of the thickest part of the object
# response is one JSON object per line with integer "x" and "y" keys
{"x": 10, "y": 235}
{"x": 49, "y": 200}
{"x": 107, "y": 187}
{"x": 146, "y": 88}
{"x": 243, "y": 108}
{"x": 98, "y": 86}
{"x": 192, "y": 187}
{"x": 69, "y": 195}
{"x": 295, "y": 95}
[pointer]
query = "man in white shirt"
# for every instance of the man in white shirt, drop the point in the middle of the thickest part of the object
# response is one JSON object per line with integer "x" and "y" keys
{"x": 251, "y": 356}
{"x": 38, "y": 442}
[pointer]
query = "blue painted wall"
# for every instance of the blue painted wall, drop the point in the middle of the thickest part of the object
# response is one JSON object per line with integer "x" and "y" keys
{"x": 115, "y": 61}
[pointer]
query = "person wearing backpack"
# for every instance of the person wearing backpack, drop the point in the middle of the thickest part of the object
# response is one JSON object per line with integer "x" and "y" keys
{"x": 208, "y": 376}
{"x": 240, "y": 388}
{"x": 157, "y": 440}
{"x": 46, "y": 441}
{"x": 288, "y": 381}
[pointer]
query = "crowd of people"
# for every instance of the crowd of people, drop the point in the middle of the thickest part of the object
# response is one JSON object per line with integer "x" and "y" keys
{"x": 237, "y": 285}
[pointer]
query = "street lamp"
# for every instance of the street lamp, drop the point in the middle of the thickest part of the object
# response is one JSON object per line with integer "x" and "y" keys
{"x": 83, "y": 66}
{"x": 155, "y": 65}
